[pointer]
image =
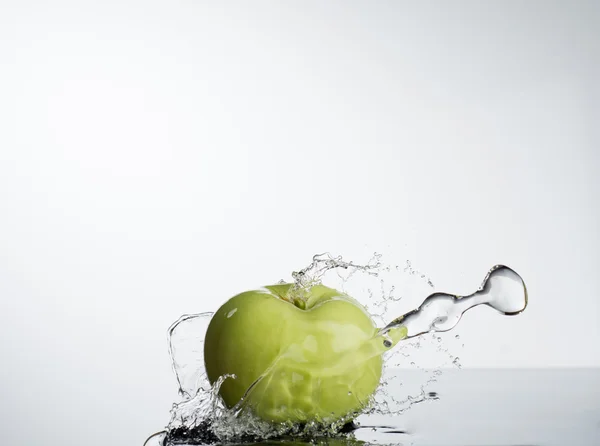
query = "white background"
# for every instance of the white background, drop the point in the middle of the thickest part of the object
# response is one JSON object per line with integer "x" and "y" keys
{"x": 158, "y": 157}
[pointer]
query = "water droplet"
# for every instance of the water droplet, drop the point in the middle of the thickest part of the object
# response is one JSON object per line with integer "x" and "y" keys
{"x": 457, "y": 336}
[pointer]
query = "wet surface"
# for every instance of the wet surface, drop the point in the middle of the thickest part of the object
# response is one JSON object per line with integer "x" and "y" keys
{"x": 485, "y": 407}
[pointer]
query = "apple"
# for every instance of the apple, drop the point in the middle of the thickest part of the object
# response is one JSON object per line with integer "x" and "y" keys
{"x": 299, "y": 357}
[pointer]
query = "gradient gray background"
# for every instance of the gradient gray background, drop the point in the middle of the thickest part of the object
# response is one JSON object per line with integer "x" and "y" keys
{"x": 157, "y": 157}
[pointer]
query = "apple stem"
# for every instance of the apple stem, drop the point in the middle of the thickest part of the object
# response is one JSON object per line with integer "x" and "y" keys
{"x": 300, "y": 303}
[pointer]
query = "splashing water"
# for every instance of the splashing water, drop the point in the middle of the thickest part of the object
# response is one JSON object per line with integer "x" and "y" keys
{"x": 202, "y": 417}
{"x": 313, "y": 274}
{"x": 502, "y": 289}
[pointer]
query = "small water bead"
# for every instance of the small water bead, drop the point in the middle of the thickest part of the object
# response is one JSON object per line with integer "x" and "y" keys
{"x": 457, "y": 336}
{"x": 413, "y": 272}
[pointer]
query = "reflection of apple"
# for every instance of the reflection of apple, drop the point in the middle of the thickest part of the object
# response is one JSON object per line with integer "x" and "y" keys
{"x": 311, "y": 352}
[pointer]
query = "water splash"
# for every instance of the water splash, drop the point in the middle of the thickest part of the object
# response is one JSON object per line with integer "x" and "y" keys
{"x": 502, "y": 289}
{"x": 412, "y": 271}
{"x": 186, "y": 348}
{"x": 201, "y": 416}
{"x": 157, "y": 439}
{"x": 321, "y": 264}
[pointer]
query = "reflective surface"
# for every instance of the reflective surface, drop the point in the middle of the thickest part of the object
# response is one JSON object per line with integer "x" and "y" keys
{"x": 487, "y": 407}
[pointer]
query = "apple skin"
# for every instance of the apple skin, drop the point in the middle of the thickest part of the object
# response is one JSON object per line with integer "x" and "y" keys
{"x": 309, "y": 352}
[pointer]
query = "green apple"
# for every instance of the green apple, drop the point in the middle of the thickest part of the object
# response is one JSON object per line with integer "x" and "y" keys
{"x": 315, "y": 357}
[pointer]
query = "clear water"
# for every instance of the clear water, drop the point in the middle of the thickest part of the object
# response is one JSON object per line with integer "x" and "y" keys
{"x": 202, "y": 418}
{"x": 502, "y": 289}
